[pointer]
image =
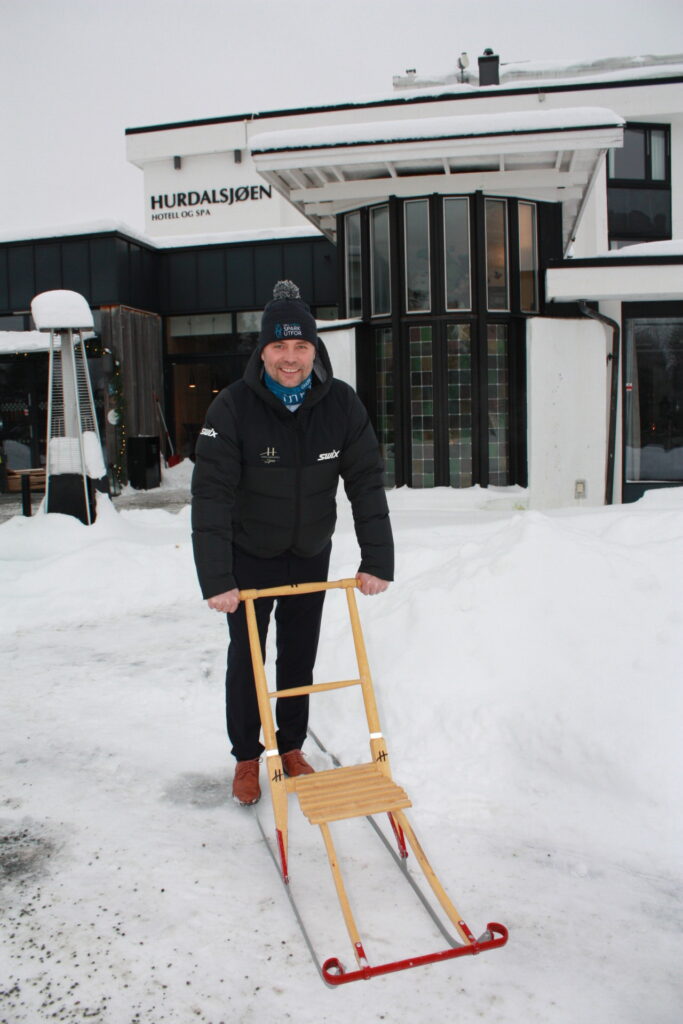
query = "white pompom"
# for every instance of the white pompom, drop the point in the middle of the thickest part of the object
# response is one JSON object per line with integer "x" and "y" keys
{"x": 286, "y": 290}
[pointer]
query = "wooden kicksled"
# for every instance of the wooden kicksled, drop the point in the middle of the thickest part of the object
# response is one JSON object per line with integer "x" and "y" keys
{"x": 358, "y": 791}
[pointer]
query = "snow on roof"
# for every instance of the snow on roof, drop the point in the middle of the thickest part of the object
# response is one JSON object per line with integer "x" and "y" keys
{"x": 540, "y": 74}
{"x": 246, "y": 235}
{"x": 460, "y": 126}
{"x": 14, "y": 342}
{"x": 516, "y": 76}
{"x": 97, "y": 227}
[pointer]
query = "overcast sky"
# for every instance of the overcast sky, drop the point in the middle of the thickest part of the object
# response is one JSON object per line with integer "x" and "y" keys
{"x": 74, "y": 74}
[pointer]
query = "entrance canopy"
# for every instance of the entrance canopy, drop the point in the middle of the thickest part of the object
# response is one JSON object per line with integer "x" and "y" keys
{"x": 544, "y": 155}
{"x": 649, "y": 272}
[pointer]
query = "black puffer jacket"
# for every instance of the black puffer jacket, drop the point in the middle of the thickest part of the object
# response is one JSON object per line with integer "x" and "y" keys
{"x": 265, "y": 479}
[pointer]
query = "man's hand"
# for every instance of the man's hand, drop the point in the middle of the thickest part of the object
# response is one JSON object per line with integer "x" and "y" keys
{"x": 370, "y": 585}
{"x": 227, "y": 602}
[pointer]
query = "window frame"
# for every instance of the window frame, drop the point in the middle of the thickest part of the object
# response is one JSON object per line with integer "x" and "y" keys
{"x": 613, "y": 181}
{"x": 347, "y": 292}
{"x": 423, "y": 309}
{"x": 470, "y": 264}
{"x": 506, "y": 233}
{"x": 371, "y": 227}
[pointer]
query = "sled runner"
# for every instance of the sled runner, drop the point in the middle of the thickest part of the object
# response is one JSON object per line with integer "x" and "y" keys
{"x": 350, "y": 792}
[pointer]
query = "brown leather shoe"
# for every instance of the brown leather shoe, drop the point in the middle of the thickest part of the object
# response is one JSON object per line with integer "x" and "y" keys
{"x": 294, "y": 763}
{"x": 245, "y": 785}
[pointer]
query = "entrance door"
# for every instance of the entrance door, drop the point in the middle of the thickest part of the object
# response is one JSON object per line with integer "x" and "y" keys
{"x": 653, "y": 405}
{"x": 194, "y": 385}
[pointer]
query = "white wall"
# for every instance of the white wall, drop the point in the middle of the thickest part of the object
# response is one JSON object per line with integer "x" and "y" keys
{"x": 676, "y": 175}
{"x": 567, "y": 411}
{"x": 211, "y": 193}
{"x": 341, "y": 345}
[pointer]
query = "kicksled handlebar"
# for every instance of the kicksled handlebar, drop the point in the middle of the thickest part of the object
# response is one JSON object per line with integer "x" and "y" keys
{"x": 299, "y": 588}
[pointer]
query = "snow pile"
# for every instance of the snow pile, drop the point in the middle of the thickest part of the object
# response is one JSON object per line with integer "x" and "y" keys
{"x": 60, "y": 309}
{"x": 13, "y": 342}
{"x": 527, "y": 668}
{"x": 64, "y": 455}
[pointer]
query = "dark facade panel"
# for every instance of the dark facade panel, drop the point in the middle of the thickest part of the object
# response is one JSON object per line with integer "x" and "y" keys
{"x": 138, "y": 295}
{"x": 22, "y": 284}
{"x": 76, "y": 268}
{"x": 239, "y": 267}
{"x": 182, "y": 283}
{"x": 298, "y": 267}
{"x": 4, "y": 282}
{"x": 111, "y": 270}
{"x": 103, "y": 277}
{"x": 211, "y": 283}
{"x": 48, "y": 264}
{"x": 268, "y": 270}
{"x": 325, "y": 273}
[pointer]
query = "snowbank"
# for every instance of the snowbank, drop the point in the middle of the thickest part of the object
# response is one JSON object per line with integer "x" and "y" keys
{"x": 527, "y": 667}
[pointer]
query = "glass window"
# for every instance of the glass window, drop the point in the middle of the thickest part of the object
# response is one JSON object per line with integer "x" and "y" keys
{"x": 629, "y": 161}
{"x": 496, "y": 254}
{"x": 384, "y": 366}
{"x": 418, "y": 290}
{"x": 499, "y": 405}
{"x": 639, "y": 186}
{"x": 639, "y": 214}
{"x": 200, "y": 333}
{"x": 459, "y": 404}
{"x": 379, "y": 261}
{"x": 456, "y": 225}
{"x": 421, "y": 406}
{"x": 326, "y": 313}
{"x": 528, "y": 258}
{"x": 354, "y": 293}
{"x": 249, "y": 321}
{"x": 654, "y": 412}
{"x": 658, "y": 162}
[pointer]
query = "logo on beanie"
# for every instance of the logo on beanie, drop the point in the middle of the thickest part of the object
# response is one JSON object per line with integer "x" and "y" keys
{"x": 288, "y": 331}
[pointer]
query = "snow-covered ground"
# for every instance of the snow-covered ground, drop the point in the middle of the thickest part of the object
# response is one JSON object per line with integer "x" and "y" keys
{"x": 528, "y": 670}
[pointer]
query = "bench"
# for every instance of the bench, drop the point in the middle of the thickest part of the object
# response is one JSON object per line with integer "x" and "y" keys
{"x": 36, "y": 479}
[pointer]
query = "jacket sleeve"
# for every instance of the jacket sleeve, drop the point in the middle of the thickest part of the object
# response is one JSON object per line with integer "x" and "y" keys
{"x": 217, "y": 472}
{"x": 362, "y": 470}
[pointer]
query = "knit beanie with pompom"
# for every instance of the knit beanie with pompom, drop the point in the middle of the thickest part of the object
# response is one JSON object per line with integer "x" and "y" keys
{"x": 287, "y": 316}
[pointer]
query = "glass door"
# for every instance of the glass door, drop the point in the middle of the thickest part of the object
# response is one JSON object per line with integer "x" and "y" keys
{"x": 653, "y": 402}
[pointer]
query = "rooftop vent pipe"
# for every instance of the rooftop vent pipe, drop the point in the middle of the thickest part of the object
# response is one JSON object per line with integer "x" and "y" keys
{"x": 489, "y": 68}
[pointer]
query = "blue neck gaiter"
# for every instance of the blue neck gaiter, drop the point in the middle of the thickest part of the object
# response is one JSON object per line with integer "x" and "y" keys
{"x": 290, "y": 397}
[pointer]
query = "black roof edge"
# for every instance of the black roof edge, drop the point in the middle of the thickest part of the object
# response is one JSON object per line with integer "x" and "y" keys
{"x": 408, "y": 101}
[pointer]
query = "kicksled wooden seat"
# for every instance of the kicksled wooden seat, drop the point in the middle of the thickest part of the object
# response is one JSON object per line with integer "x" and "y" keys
{"x": 349, "y": 792}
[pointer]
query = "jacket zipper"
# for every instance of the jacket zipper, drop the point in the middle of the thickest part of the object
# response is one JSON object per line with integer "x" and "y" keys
{"x": 297, "y": 486}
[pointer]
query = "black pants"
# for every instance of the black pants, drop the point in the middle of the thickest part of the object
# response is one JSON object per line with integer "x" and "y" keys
{"x": 297, "y": 624}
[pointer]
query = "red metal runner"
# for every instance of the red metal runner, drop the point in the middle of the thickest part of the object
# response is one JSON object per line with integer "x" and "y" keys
{"x": 334, "y": 973}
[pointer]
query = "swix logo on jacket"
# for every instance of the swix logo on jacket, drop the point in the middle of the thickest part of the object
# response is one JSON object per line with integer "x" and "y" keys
{"x": 209, "y": 432}
{"x": 328, "y": 455}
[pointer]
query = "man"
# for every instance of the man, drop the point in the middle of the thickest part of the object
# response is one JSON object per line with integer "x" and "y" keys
{"x": 268, "y": 462}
